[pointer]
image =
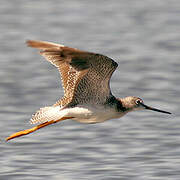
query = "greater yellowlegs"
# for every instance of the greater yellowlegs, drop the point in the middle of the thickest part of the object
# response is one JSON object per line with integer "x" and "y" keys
{"x": 87, "y": 96}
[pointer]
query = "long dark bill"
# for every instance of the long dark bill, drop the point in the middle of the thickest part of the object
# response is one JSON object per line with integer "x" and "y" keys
{"x": 154, "y": 109}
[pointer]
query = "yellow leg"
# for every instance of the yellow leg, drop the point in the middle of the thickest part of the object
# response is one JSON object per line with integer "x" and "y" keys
{"x": 28, "y": 131}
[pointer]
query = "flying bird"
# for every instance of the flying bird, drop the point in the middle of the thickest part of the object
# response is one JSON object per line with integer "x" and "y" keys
{"x": 87, "y": 96}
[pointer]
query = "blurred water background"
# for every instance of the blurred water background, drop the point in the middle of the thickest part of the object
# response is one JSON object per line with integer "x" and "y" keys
{"x": 144, "y": 38}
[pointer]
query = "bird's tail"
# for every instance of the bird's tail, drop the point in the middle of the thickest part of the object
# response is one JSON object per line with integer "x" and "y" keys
{"x": 46, "y": 114}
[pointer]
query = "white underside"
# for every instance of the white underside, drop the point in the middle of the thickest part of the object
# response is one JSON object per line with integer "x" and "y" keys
{"x": 83, "y": 114}
{"x": 93, "y": 114}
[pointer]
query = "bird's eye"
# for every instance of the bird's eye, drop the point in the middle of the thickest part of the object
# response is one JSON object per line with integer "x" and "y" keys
{"x": 138, "y": 101}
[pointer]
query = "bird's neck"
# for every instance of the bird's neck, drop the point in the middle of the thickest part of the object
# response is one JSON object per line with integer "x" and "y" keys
{"x": 126, "y": 104}
{"x": 120, "y": 105}
{"x": 117, "y": 103}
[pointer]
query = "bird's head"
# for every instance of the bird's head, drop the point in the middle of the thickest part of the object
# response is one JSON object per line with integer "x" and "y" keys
{"x": 135, "y": 103}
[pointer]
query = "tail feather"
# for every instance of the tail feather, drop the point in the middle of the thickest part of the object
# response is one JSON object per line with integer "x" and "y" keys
{"x": 46, "y": 114}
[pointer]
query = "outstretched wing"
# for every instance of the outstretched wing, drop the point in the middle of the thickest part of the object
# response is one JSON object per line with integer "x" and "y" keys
{"x": 85, "y": 76}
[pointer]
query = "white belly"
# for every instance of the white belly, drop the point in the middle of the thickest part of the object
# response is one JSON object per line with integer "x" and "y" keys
{"x": 87, "y": 114}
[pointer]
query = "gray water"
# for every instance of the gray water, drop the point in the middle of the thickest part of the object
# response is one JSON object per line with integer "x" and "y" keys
{"x": 144, "y": 38}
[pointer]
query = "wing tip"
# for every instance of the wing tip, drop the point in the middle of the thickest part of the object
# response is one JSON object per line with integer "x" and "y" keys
{"x": 31, "y": 43}
{"x": 42, "y": 44}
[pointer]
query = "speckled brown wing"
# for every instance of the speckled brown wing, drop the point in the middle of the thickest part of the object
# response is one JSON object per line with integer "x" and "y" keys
{"x": 85, "y": 76}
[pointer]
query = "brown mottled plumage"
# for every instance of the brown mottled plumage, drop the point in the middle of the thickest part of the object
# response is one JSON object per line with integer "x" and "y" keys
{"x": 85, "y": 76}
{"x": 87, "y": 96}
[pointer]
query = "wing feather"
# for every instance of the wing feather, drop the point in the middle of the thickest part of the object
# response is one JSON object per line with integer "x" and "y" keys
{"x": 85, "y": 76}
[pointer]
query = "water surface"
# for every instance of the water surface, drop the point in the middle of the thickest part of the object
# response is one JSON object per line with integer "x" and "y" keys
{"x": 143, "y": 37}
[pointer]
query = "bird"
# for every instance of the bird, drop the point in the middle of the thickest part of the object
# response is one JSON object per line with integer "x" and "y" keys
{"x": 85, "y": 78}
